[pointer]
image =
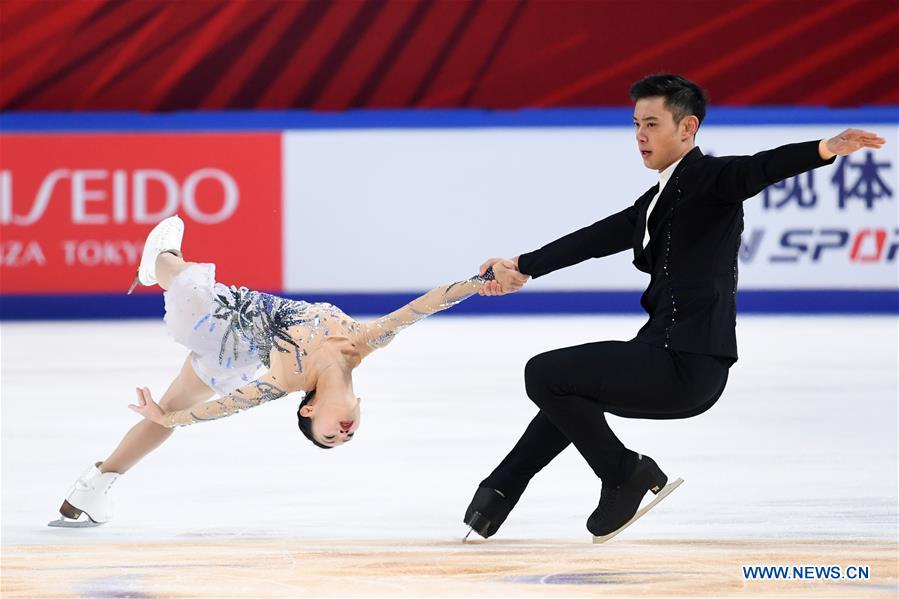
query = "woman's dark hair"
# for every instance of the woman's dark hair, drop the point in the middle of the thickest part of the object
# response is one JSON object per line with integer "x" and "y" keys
{"x": 305, "y": 423}
{"x": 682, "y": 96}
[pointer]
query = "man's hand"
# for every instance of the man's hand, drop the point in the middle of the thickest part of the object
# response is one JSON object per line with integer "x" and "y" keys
{"x": 508, "y": 279}
{"x": 148, "y": 408}
{"x": 848, "y": 142}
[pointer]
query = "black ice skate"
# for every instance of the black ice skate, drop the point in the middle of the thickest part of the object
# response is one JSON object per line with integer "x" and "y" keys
{"x": 487, "y": 511}
{"x": 619, "y": 506}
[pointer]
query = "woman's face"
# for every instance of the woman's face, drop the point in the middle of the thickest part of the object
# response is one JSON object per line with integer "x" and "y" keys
{"x": 334, "y": 419}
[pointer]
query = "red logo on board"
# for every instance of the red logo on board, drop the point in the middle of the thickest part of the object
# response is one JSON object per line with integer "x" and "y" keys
{"x": 75, "y": 208}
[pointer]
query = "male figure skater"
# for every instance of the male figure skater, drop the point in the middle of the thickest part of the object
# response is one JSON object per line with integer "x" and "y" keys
{"x": 684, "y": 232}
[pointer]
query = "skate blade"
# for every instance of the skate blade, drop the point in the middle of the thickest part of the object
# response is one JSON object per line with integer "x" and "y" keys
{"x": 472, "y": 541}
{"x": 134, "y": 284}
{"x": 662, "y": 495}
{"x": 64, "y": 522}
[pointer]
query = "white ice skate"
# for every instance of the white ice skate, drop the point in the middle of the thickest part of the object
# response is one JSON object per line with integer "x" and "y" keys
{"x": 165, "y": 237}
{"x": 88, "y": 503}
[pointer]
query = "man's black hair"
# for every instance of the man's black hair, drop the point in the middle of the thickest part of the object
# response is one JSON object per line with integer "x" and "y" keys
{"x": 682, "y": 96}
{"x": 305, "y": 423}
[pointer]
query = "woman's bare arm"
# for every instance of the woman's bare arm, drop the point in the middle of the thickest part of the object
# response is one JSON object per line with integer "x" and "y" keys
{"x": 382, "y": 331}
{"x": 259, "y": 391}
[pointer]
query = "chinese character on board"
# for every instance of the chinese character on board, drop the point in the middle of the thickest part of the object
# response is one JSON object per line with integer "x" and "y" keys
{"x": 799, "y": 189}
{"x": 861, "y": 180}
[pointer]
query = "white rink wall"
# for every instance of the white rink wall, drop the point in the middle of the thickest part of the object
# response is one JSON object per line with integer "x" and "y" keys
{"x": 414, "y": 207}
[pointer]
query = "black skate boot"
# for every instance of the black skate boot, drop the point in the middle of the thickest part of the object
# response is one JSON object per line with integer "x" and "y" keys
{"x": 487, "y": 511}
{"x": 618, "y": 504}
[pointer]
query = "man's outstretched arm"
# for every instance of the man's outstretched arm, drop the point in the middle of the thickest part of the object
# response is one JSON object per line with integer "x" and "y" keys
{"x": 608, "y": 236}
{"x": 743, "y": 177}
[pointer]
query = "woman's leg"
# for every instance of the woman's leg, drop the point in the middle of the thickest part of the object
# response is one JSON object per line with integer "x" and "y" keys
{"x": 186, "y": 390}
{"x": 169, "y": 266}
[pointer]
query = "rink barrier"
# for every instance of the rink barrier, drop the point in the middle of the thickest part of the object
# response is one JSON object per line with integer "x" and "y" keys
{"x": 115, "y": 306}
{"x": 103, "y": 306}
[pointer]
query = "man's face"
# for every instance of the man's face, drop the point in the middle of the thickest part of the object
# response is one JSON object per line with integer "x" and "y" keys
{"x": 660, "y": 140}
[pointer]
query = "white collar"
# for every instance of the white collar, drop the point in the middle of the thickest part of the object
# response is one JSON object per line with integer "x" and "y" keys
{"x": 666, "y": 174}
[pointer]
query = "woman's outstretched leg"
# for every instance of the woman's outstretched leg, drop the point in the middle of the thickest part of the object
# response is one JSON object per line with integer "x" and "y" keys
{"x": 186, "y": 390}
{"x": 169, "y": 266}
{"x": 89, "y": 496}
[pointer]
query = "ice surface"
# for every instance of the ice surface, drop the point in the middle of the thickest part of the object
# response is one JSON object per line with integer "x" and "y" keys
{"x": 803, "y": 443}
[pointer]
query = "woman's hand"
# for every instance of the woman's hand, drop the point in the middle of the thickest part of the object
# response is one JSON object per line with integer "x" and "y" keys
{"x": 148, "y": 408}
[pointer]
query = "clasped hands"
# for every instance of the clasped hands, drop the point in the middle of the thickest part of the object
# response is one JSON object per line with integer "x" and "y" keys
{"x": 508, "y": 277}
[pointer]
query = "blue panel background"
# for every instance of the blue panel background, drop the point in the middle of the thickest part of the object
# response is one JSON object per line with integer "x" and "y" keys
{"x": 412, "y": 119}
{"x": 824, "y": 301}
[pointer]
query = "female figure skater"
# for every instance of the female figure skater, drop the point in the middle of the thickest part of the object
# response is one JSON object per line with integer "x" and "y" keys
{"x": 248, "y": 348}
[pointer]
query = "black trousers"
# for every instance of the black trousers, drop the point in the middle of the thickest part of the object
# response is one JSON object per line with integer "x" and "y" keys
{"x": 575, "y": 387}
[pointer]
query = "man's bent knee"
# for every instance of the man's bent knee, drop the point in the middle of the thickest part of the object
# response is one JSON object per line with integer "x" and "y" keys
{"x": 538, "y": 374}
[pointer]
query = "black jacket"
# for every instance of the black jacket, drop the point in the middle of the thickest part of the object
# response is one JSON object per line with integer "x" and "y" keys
{"x": 694, "y": 241}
